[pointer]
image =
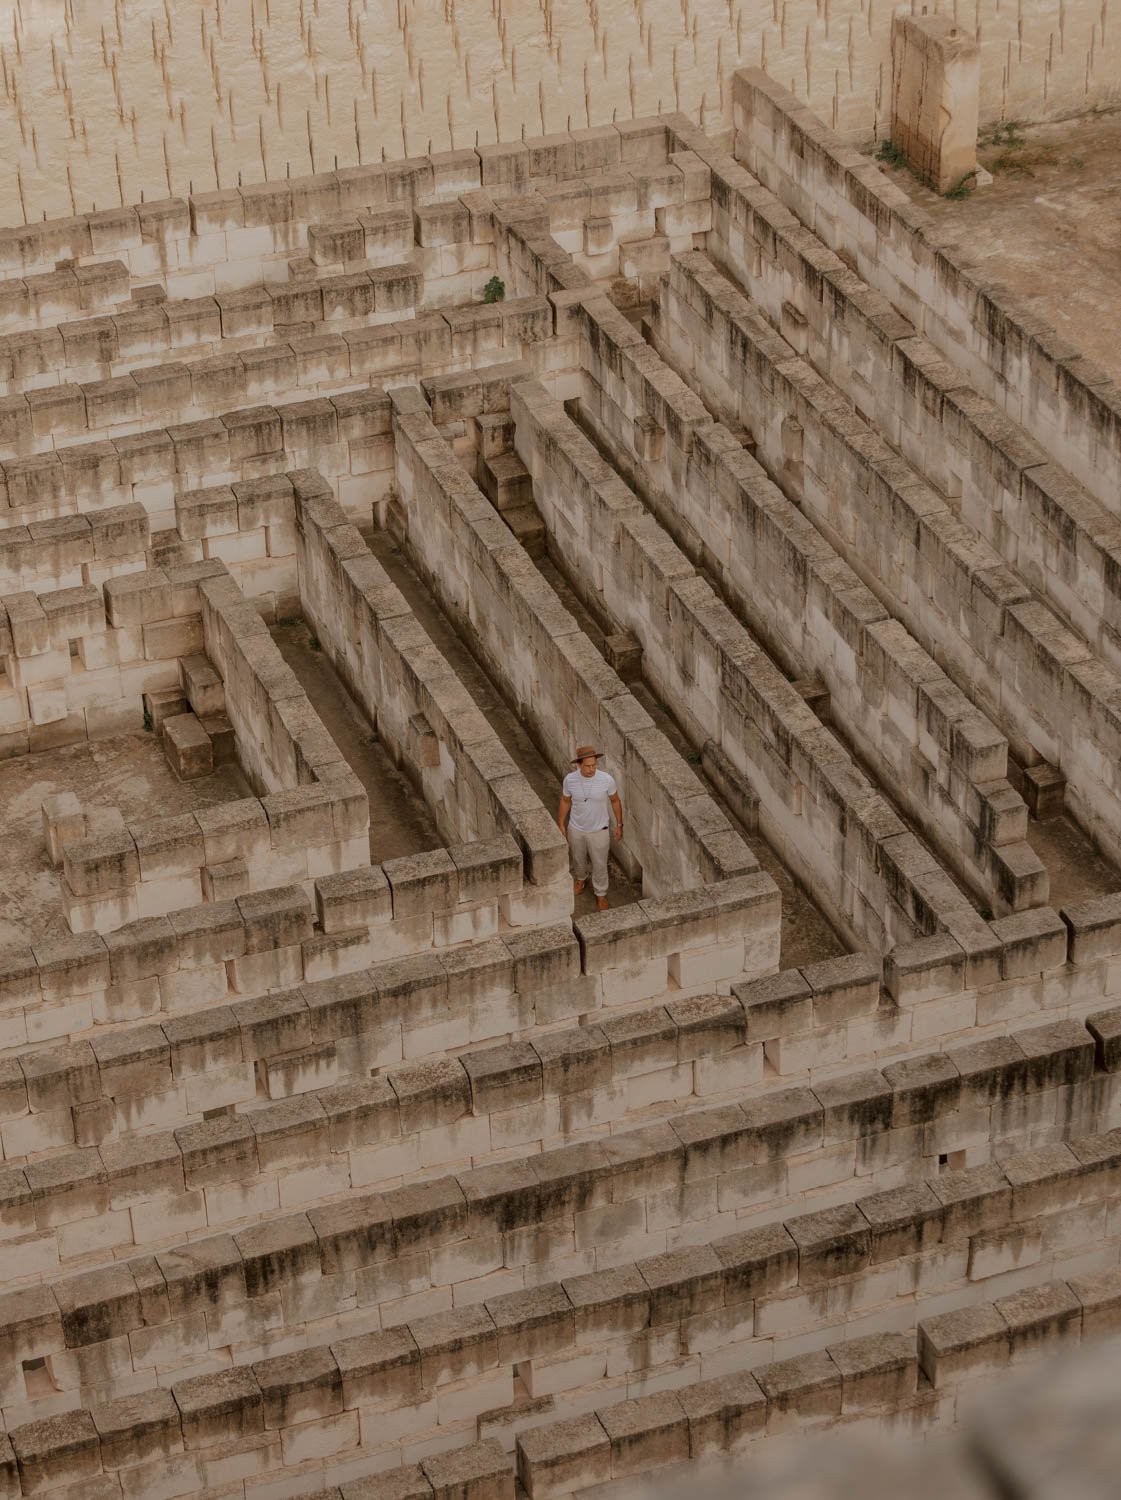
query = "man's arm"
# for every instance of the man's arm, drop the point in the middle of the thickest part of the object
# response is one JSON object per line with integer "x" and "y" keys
{"x": 563, "y": 812}
{"x": 617, "y": 809}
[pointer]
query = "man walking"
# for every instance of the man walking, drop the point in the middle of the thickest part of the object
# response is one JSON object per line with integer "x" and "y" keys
{"x": 584, "y": 820}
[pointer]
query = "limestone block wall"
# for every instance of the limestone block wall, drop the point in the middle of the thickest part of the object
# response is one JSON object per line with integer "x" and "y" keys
{"x": 318, "y": 1138}
{"x": 377, "y": 215}
{"x": 345, "y": 436}
{"x": 73, "y": 550}
{"x": 942, "y": 760}
{"x": 313, "y": 819}
{"x": 63, "y": 987}
{"x": 1039, "y": 682}
{"x": 59, "y": 1097}
{"x": 309, "y": 1143}
{"x": 218, "y": 370}
{"x": 561, "y": 684}
{"x": 152, "y": 467}
{"x": 326, "y": 1403}
{"x": 65, "y": 369}
{"x": 1032, "y": 374}
{"x": 896, "y": 1385}
{"x": 197, "y": 957}
{"x": 250, "y": 527}
{"x": 390, "y": 916}
{"x": 398, "y": 1252}
{"x": 158, "y": 865}
{"x": 1038, "y": 519}
{"x": 415, "y": 218}
{"x": 423, "y": 714}
{"x": 878, "y": 882}
{"x": 78, "y": 660}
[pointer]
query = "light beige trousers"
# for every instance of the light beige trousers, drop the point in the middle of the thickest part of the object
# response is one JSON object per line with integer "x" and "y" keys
{"x": 590, "y": 850}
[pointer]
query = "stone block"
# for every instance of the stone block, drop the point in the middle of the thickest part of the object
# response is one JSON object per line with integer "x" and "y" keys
{"x": 479, "y": 1471}
{"x": 973, "y": 1200}
{"x": 902, "y": 1221}
{"x": 801, "y": 1389}
{"x": 1100, "y": 1297}
{"x": 924, "y": 1088}
{"x": 136, "y": 1428}
{"x": 102, "y": 864}
{"x": 219, "y": 1408}
{"x": 854, "y": 1105}
{"x": 63, "y": 821}
{"x": 225, "y": 881}
{"x": 843, "y": 988}
{"x": 1033, "y": 942}
{"x": 275, "y": 1250}
{"x": 561, "y": 1458}
{"x": 1039, "y": 1319}
{"x": 421, "y": 883}
{"x": 960, "y": 1345}
{"x": 71, "y": 966}
{"x": 532, "y": 1324}
{"x": 207, "y": 1271}
{"x": 879, "y": 1371}
{"x": 935, "y": 87}
{"x": 188, "y": 747}
{"x": 277, "y": 918}
{"x": 776, "y": 1005}
{"x": 455, "y": 1345}
{"x": 646, "y": 1434}
{"x": 723, "y": 1414}
{"x": 834, "y": 1242}
{"x": 56, "y": 1452}
{"x": 1058, "y": 1055}
{"x": 202, "y": 685}
{"x": 932, "y": 968}
{"x": 1094, "y": 928}
{"x": 1105, "y": 1027}
{"x": 301, "y": 1387}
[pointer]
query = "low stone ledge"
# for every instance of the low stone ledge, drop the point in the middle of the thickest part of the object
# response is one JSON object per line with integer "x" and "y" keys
{"x": 1094, "y": 929}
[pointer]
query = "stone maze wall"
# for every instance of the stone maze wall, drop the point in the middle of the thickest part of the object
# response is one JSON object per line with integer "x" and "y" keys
{"x": 334, "y": 1170}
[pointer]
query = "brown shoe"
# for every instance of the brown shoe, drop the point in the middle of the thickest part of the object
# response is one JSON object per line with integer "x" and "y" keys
{"x": 601, "y": 903}
{"x": 578, "y": 886}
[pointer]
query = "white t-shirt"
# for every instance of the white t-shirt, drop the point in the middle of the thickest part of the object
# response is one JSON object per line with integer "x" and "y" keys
{"x": 589, "y": 800}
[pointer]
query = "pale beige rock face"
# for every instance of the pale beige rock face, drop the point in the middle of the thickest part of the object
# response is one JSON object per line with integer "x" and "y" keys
{"x": 102, "y": 105}
{"x": 936, "y": 70}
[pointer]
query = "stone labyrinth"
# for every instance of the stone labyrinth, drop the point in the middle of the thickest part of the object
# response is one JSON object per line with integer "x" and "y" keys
{"x": 345, "y": 1151}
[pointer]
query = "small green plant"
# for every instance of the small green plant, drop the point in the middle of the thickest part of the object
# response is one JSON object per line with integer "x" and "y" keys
{"x": 890, "y": 154}
{"x": 286, "y": 622}
{"x": 1007, "y": 133}
{"x": 313, "y": 643}
{"x": 495, "y": 290}
{"x": 148, "y": 725}
{"x": 962, "y": 189}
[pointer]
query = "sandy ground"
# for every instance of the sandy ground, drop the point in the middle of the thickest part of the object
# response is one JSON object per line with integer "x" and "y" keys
{"x": 128, "y": 773}
{"x": 1049, "y": 224}
{"x": 400, "y": 822}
